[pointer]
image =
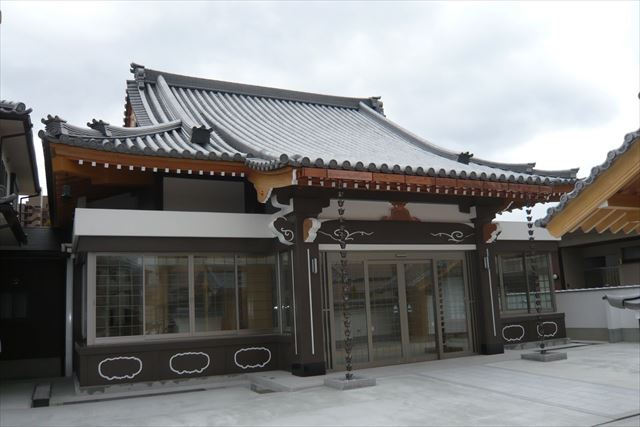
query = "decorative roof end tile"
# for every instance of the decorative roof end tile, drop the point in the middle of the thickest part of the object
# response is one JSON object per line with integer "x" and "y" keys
{"x": 376, "y": 104}
{"x": 465, "y": 157}
{"x": 100, "y": 126}
{"x": 139, "y": 74}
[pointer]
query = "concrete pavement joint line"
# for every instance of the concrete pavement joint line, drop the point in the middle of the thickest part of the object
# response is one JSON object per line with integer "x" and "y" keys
{"x": 553, "y": 376}
{"x": 617, "y": 419}
{"x": 528, "y": 399}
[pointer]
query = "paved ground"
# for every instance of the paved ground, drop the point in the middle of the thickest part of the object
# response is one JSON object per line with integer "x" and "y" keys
{"x": 597, "y": 385}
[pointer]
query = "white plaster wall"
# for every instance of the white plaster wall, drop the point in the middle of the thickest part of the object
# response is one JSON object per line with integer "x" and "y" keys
{"x": 139, "y": 223}
{"x": 585, "y": 308}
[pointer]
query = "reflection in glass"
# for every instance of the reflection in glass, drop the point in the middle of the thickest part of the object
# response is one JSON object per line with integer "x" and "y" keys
{"x": 386, "y": 331}
{"x": 357, "y": 308}
{"x": 452, "y": 302}
{"x": 420, "y": 309}
{"x": 538, "y": 274}
{"x": 166, "y": 292}
{"x": 257, "y": 292}
{"x": 214, "y": 293}
{"x": 286, "y": 288}
{"x": 118, "y": 296}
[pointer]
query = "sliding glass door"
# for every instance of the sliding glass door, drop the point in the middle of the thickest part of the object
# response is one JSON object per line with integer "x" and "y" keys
{"x": 401, "y": 310}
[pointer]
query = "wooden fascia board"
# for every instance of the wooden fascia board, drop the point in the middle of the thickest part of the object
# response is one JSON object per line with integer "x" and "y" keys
{"x": 100, "y": 175}
{"x": 318, "y": 176}
{"x": 606, "y": 185}
{"x": 147, "y": 162}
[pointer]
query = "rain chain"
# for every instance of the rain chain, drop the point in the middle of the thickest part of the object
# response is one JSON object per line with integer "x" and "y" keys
{"x": 346, "y": 288}
{"x": 539, "y": 322}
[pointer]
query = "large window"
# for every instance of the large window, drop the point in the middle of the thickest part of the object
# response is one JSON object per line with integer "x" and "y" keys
{"x": 524, "y": 277}
{"x": 286, "y": 291}
{"x": 183, "y": 295}
{"x": 118, "y": 296}
{"x": 166, "y": 294}
{"x": 215, "y": 293}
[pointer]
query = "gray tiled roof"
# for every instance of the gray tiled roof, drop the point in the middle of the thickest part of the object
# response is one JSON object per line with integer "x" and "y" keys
{"x": 269, "y": 128}
{"x": 14, "y": 108}
{"x": 629, "y": 139}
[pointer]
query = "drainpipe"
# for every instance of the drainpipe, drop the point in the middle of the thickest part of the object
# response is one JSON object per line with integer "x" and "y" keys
{"x": 68, "y": 329}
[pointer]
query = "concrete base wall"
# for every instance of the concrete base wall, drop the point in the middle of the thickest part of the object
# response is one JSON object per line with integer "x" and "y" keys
{"x": 589, "y": 317}
{"x": 604, "y": 334}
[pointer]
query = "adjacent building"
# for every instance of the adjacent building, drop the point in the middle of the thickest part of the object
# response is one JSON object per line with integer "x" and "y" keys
{"x": 599, "y": 222}
{"x": 204, "y": 235}
{"x": 32, "y": 267}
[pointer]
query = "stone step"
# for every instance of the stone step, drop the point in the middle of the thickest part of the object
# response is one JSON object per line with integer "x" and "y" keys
{"x": 41, "y": 395}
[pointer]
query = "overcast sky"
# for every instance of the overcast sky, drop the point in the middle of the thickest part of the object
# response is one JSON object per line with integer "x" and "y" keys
{"x": 550, "y": 82}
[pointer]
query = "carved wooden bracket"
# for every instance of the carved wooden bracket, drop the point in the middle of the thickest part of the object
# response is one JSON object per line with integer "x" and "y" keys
{"x": 278, "y": 224}
{"x": 490, "y": 232}
{"x": 265, "y": 182}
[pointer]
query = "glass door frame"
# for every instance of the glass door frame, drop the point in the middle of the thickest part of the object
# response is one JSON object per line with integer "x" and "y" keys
{"x": 400, "y": 258}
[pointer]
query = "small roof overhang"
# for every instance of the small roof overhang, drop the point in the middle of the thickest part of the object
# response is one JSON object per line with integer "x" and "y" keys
{"x": 607, "y": 200}
{"x": 17, "y": 145}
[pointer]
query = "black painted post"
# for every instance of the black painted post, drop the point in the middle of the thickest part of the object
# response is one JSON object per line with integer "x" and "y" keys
{"x": 309, "y": 358}
{"x": 487, "y": 286}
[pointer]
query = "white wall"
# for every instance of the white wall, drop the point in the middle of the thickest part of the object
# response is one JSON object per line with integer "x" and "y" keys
{"x": 143, "y": 223}
{"x": 585, "y": 310}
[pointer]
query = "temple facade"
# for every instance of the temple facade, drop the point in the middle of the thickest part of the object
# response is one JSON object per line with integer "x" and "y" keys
{"x": 204, "y": 236}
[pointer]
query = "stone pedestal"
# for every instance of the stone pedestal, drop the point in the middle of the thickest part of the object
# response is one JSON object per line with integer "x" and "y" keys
{"x": 341, "y": 383}
{"x": 544, "y": 357}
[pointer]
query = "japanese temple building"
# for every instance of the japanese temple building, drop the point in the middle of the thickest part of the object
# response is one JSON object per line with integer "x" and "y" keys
{"x": 204, "y": 235}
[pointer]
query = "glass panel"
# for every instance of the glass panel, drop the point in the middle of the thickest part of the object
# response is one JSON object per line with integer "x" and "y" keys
{"x": 385, "y": 312}
{"x": 286, "y": 289}
{"x": 118, "y": 296}
{"x": 357, "y": 308}
{"x": 166, "y": 292}
{"x": 514, "y": 283}
{"x": 452, "y": 301}
{"x": 257, "y": 291}
{"x": 420, "y": 309}
{"x": 214, "y": 293}
{"x": 539, "y": 274}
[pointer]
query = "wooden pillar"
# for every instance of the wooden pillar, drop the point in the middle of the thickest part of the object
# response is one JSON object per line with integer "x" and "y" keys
{"x": 490, "y": 329}
{"x": 308, "y": 358}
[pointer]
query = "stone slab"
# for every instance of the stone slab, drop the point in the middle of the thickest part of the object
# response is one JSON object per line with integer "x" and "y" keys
{"x": 341, "y": 383}
{"x": 544, "y": 357}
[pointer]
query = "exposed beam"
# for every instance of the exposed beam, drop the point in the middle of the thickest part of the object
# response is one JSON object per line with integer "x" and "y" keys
{"x": 631, "y": 227}
{"x": 610, "y": 220}
{"x": 596, "y": 219}
{"x": 622, "y": 201}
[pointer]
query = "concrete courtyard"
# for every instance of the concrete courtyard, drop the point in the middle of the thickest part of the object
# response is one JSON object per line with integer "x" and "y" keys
{"x": 598, "y": 385}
